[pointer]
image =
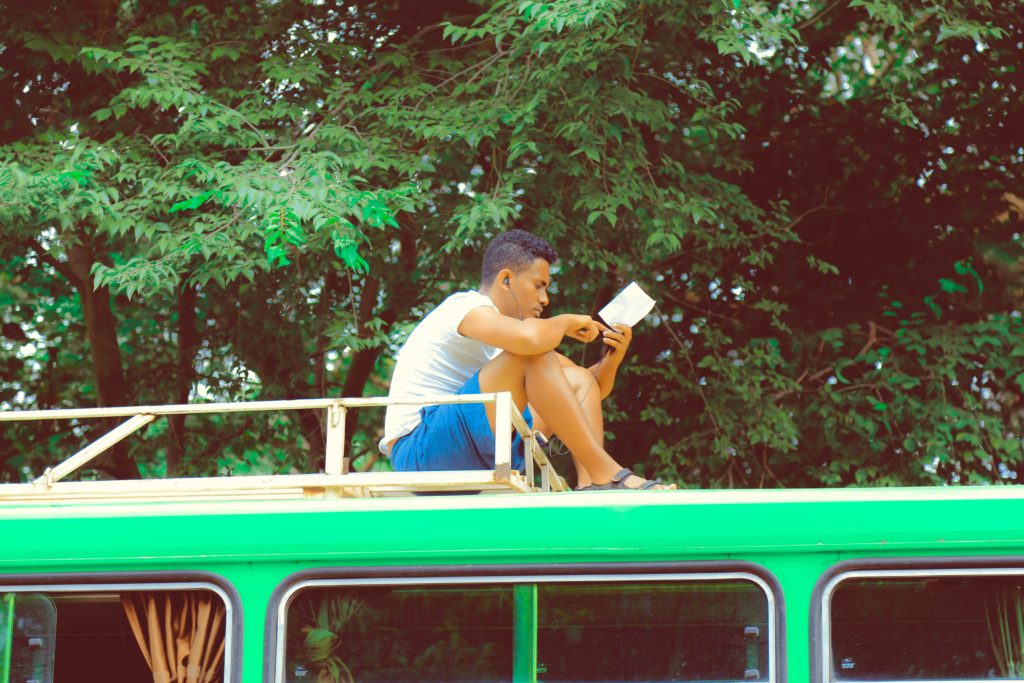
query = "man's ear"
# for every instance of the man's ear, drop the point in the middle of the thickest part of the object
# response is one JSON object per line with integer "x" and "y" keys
{"x": 503, "y": 277}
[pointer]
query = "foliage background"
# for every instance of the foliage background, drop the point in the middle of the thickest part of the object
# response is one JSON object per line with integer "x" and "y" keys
{"x": 237, "y": 200}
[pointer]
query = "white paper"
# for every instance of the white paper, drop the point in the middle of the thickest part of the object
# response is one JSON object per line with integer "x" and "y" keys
{"x": 628, "y": 308}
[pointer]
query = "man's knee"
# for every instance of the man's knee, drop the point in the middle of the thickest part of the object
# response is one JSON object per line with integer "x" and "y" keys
{"x": 547, "y": 358}
{"x": 507, "y": 358}
{"x": 508, "y": 371}
{"x": 579, "y": 378}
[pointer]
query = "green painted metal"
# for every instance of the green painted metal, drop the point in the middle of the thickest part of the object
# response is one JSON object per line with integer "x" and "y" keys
{"x": 499, "y": 531}
{"x": 524, "y": 640}
{"x": 8, "y": 621}
{"x": 796, "y": 535}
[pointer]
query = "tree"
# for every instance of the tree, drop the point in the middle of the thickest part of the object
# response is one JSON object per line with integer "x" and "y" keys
{"x": 812, "y": 191}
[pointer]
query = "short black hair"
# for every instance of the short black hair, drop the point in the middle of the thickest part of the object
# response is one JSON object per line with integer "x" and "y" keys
{"x": 516, "y": 250}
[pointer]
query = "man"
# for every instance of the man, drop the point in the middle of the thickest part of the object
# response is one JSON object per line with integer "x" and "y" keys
{"x": 495, "y": 340}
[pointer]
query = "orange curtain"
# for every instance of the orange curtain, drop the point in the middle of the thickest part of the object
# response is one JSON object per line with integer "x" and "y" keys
{"x": 180, "y": 633}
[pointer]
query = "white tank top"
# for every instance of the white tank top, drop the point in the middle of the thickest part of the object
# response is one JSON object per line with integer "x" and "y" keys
{"x": 436, "y": 359}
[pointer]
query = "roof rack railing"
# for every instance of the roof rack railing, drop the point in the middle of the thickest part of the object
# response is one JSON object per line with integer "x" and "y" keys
{"x": 335, "y": 481}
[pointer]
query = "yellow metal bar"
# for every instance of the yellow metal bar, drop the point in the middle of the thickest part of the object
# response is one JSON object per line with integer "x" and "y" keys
{"x": 335, "y": 450}
{"x": 94, "y": 449}
{"x": 250, "y": 407}
{"x": 336, "y": 481}
{"x": 503, "y": 436}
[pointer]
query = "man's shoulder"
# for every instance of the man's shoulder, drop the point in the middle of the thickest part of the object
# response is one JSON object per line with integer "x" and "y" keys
{"x": 446, "y": 317}
{"x": 468, "y": 296}
{"x": 461, "y": 303}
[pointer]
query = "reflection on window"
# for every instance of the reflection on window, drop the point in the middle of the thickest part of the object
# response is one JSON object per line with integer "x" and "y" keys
{"x": 400, "y": 633}
{"x": 693, "y": 631}
{"x": 934, "y": 628}
{"x": 65, "y": 637}
{"x": 680, "y": 630}
{"x": 28, "y": 625}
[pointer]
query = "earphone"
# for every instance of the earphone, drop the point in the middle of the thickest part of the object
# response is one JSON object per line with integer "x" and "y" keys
{"x": 508, "y": 286}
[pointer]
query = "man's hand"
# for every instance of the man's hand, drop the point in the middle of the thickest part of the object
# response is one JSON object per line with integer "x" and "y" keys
{"x": 617, "y": 341}
{"x": 584, "y": 328}
{"x": 527, "y": 337}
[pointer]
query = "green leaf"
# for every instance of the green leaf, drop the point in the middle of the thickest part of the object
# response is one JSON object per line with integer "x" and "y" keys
{"x": 935, "y": 309}
{"x": 965, "y": 268}
{"x": 950, "y": 286}
{"x": 192, "y": 203}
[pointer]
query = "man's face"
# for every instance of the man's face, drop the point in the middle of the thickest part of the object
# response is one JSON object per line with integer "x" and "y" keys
{"x": 530, "y": 287}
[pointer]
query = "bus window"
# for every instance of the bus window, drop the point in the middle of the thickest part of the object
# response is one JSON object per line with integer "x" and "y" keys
{"x": 678, "y": 631}
{"x": 28, "y": 623}
{"x": 400, "y": 633}
{"x": 62, "y": 635}
{"x": 715, "y": 628}
{"x": 934, "y": 625}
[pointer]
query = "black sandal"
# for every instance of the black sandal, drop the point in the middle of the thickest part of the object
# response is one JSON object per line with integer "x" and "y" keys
{"x": 618, "y": 482}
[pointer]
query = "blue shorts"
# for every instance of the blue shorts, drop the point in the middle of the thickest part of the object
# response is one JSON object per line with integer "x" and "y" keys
{"x": 453, "y": 437}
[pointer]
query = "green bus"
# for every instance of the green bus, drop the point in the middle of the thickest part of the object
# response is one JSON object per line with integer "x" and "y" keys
{"x": 343, "y": 577}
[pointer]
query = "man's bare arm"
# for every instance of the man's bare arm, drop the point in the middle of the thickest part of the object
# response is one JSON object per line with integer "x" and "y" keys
{"x": 604, "y": 373}
{"x": 529, "y": 337}
{"x": 605, "y": 370}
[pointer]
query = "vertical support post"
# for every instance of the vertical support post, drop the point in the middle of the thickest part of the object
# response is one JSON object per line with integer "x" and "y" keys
{"x": 529, "y": 444}
{"x": 545, "y": 470}
{"x": 524, "y": 636}
{"x": 6, "y": 636}
{"x": 503, "y": 436}
{"x": 335, "y": 462}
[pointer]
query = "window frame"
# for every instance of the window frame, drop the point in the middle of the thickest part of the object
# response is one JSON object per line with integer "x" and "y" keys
{"x": 447, "y": 575}
{"x": 884, "y": 568}
{"x": 133, "y": 582}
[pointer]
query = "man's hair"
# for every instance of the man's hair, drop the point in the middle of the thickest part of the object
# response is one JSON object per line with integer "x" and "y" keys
{"x": 515, "y": 250}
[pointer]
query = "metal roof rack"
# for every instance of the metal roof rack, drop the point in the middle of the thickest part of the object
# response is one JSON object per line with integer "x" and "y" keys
{"x": 336, "y": 481}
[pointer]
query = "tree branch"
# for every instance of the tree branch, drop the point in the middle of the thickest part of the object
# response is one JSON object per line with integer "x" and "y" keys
{"x": 62, "y": 268}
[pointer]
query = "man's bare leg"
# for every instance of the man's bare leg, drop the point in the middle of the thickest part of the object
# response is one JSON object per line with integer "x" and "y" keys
{"x": 588, "y": 394}
{"x": 541, "y": 382}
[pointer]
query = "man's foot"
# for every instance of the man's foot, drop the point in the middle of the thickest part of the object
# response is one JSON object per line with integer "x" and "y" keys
{"x": 624, "y": 479}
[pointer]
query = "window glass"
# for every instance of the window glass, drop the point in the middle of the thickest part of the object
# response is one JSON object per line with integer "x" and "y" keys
{"x": 68, "y": 636}
{"x": 679, "y": 631}
{"x": 929, "y": 628}
{"x": 28, "y": 624}
{"x": 691, "y": 630}
{"x": 400, "y": 633}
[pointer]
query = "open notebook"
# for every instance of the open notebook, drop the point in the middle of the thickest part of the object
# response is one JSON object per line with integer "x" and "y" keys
{"x": 628, "y": 307}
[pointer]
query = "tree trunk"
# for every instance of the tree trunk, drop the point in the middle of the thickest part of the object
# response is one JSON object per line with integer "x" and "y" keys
{"x": 188, "y": 342}
{"x": 312, "y": 422}
{"x": 108, "y": 371}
